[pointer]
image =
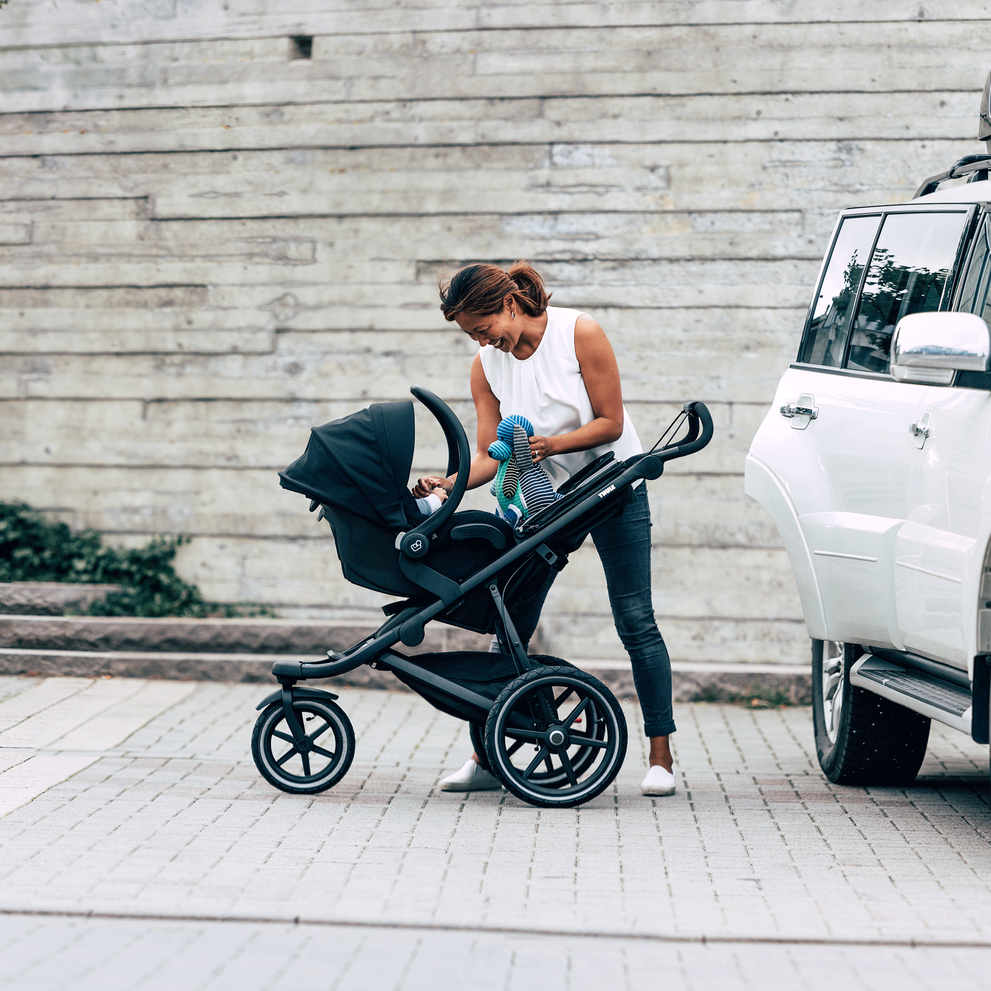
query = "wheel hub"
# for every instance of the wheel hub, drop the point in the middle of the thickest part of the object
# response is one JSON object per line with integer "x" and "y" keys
{"x": 556, "y": 737}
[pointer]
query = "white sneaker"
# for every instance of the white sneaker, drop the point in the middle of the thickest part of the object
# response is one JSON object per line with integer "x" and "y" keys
{"x": 659, "y": 782}
{"x": 471, "y": 777}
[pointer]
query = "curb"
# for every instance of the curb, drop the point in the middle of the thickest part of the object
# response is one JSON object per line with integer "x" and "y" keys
{"x": 759, "y": 684}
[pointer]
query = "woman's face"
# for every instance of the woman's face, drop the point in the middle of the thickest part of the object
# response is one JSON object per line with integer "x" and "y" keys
{"x": 498, "y": 330}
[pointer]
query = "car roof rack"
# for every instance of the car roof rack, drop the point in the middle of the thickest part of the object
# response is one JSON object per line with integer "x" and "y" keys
{"x": 976, "y": 166}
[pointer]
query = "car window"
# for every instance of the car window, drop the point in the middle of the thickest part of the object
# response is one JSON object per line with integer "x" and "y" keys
{"x": 825, "y": 340}
{"x": 907, "y": 274}
{"x": 974, "y": 294}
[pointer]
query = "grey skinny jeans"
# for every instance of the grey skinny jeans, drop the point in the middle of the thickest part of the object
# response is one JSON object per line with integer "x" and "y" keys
{"x": 623, "y": 546}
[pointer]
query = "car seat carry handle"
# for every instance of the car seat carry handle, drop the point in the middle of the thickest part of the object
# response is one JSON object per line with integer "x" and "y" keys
{"x": 416, "y": 542}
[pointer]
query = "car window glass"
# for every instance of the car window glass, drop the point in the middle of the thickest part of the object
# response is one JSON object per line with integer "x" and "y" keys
{"x": 974, "y": 295}
{"x": 825, "y": 342}
{"x": 907, "y": 274}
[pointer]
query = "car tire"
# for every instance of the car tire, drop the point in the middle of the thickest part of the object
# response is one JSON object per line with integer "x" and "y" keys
{"x": 861, "y": 738}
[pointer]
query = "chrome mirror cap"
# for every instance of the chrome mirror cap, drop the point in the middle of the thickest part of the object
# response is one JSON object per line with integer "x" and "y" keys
{"x": 930, "y": 347}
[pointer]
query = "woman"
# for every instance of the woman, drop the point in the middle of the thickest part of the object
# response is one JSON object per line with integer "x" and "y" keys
{"x": 556, "y": 367}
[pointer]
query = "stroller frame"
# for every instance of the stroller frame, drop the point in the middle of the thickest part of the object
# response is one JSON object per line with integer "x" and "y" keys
{"x": 512, "y": 700}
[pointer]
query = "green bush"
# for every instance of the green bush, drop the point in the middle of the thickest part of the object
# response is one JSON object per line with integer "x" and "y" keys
{"x": 35, "y": 549}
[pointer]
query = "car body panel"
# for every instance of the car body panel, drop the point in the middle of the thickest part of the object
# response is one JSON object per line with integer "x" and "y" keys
{"x": 764, "y": 486}
{"x": 881, "y": 488}
{"x": 844, "y": 475}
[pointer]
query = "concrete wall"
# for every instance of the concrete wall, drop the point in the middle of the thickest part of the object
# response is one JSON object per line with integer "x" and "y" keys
{"x": 210, "y": 243}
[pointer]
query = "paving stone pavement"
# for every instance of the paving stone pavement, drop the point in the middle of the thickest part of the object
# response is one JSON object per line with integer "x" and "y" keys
{"x": 153, "y": 855}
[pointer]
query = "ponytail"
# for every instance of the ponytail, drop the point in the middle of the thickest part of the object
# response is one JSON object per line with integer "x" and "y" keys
{"x": 482, "y": 289}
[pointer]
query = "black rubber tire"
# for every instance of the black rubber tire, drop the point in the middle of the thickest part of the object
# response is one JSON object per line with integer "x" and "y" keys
{"x": 280, "y": 763}
{"x": 861, "y": 738}
{"x": 559, "y": 775}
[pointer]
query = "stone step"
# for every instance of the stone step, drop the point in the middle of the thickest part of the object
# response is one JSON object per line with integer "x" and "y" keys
{"x": 769, "y": 684}
{"x": 218, "y": 636}
{"x": 50, "y": 598}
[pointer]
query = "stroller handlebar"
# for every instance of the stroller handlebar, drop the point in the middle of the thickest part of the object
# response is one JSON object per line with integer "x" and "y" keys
{"x": 699, "y": 432}
{"x": 651, "y": 463}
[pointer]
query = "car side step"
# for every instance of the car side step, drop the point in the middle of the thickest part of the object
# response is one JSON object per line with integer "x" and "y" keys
{"x": 916, "y": 690}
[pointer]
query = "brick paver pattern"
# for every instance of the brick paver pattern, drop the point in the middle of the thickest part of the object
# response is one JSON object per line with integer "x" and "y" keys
{"x": 757, "y": 872}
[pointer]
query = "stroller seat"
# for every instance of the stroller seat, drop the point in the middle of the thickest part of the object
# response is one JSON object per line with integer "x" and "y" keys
{"x": 356, "y": 470}
{"x": 370, "y": 557}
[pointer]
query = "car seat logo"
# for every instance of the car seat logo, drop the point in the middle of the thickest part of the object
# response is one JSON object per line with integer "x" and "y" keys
{"x": 606, "y": 491}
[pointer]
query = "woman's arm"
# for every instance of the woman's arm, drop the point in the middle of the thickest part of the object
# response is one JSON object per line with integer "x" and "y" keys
{"x": 482, "y": 468}
{"x": 600, "y": 373}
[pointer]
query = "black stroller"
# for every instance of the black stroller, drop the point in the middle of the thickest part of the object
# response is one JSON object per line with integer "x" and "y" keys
{"x": 553, "y": 734}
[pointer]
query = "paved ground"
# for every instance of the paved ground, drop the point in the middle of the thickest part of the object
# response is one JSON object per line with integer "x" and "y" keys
{"x": 139, "y": 848}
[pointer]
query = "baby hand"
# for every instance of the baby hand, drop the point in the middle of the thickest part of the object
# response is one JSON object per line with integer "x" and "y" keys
{"x": 424, "y": 486}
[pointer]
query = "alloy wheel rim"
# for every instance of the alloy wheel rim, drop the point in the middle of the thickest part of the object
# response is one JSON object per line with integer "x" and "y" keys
{"x": 833, "y": 694}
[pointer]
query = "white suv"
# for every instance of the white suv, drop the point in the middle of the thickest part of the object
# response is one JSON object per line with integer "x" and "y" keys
{"x": 875, "y": 465}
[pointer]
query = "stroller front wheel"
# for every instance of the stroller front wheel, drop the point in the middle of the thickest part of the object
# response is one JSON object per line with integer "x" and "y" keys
{"x": 556, "y": 737}
{"x": 312, "y": 768}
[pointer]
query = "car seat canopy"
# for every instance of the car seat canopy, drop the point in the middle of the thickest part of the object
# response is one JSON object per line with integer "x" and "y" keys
{"x": 361, "y": 463}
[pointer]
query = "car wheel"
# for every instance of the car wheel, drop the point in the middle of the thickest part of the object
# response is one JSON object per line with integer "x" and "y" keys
{"x": 861, "y": 738}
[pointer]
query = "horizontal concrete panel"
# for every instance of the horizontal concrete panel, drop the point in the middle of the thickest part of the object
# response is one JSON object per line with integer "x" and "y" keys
{"x": 16, "y": 205}
{"x": 15, "y": 233}
{"x": 80, "y": 22}
{"x": 937, "y": 114}
{"x": 149, "y": 331}
{"x": 55, "y": 268}
{"x": 296, "y": 241}
{"x": 502, "y": 178}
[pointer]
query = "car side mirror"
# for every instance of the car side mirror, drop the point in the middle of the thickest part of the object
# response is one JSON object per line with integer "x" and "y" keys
{"x": 930, "y": 347}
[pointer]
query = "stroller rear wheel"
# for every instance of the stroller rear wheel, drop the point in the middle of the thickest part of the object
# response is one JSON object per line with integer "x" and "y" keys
{"x": 556, "y": 737}
{"x": 477, "y": 733}
{"x": 477, "y": 730}
{"x": 313, "y": 767}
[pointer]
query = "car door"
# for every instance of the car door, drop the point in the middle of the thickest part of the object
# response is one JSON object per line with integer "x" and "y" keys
{"x": 838, "y": 437}
{"x": 939, "y": 552}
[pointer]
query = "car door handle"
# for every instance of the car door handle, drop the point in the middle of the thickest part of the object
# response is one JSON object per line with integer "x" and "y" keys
{"x": 789, "y": 410}
{"x": 921, "y": 429}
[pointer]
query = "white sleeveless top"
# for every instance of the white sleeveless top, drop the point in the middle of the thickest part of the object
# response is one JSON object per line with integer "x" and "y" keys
{"x": 547, "y": 388}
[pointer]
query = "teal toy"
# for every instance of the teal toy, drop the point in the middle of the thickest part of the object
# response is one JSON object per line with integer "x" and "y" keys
{"x": 520, "y": 487}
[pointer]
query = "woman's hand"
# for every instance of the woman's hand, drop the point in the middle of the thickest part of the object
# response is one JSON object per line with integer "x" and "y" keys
{"x": 541, "y": 448}
{"x": 424, "y": 486}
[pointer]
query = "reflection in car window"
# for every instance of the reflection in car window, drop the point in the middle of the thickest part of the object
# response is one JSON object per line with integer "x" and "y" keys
{"x": 974, "y": 296}
{"x": 907, "y": 274}
{"x": 825, "y": 341}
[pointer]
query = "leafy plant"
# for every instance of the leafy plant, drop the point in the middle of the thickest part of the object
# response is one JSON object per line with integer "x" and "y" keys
{"x": 33, "y": 548}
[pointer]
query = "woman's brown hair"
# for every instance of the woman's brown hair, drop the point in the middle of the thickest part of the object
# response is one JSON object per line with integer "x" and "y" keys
{"x": 483, "y": 289}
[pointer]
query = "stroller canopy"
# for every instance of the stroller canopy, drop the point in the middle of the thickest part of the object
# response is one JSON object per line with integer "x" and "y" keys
{"x": 361, "y": 463}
